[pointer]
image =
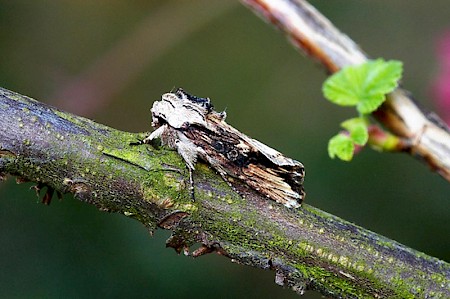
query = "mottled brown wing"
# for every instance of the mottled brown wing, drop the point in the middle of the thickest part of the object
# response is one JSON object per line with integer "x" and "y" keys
{"x": 236, "y": 155}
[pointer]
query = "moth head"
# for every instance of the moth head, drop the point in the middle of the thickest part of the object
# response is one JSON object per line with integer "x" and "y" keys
{"x": 178, "y": 111}
{"x": 205, "y": 103}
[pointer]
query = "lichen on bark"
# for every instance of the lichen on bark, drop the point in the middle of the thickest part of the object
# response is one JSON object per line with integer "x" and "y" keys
{"x": 307, "y": 248}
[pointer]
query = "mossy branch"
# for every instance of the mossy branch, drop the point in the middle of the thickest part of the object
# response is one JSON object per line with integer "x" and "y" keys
{"x": 307, "y": 248}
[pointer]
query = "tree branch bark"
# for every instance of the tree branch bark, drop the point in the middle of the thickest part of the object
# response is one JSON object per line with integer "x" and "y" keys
{"x": 306, "y": 247}
{"x": 427, "y": 136}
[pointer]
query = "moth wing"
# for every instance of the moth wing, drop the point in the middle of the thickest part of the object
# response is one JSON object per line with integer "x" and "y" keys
{"x": 270, "y": 183}
{"x": 233, "y": 154}
{"x": 288, "y": 174}
{"x": 273, "y": 155}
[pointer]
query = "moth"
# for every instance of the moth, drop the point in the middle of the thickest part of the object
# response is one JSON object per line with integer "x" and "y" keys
{"x": 190, "y": 125}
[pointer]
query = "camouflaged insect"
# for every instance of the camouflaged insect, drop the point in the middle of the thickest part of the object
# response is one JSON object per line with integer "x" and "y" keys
{"x": 190, "y": 125}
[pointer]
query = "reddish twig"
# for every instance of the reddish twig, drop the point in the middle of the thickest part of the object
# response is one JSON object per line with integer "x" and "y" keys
{"x": 310, "y": 31}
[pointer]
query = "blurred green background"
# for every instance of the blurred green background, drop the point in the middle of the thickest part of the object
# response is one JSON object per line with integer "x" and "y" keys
{"x": 109, "y": 60}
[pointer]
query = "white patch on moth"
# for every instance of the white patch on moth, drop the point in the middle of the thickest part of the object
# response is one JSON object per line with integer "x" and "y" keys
{"x": 188, "y": 150}
{"x": 178, "y": 112}
{"x": 244, "y": 147}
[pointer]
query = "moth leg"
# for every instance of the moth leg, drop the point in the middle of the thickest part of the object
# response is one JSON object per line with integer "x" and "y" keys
{"x": 155, "y": 134}
{"x": 189, "y": 152}
{"x": 191, "y": 184}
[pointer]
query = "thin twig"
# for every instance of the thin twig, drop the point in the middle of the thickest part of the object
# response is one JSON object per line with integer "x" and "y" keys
{"x": 309, "y": 30}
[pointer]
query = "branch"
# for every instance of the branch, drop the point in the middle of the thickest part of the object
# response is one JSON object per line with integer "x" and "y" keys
{"x": 306, "y": 247}
{"x": 427, "y": 136}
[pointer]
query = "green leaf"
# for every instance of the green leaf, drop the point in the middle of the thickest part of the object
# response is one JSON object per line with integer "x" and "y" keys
{"x": 363, "y": 86}
{"x": 341, "y": 146}
{"x": 360, "y": 136}
{"x": 358, "y": 129}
